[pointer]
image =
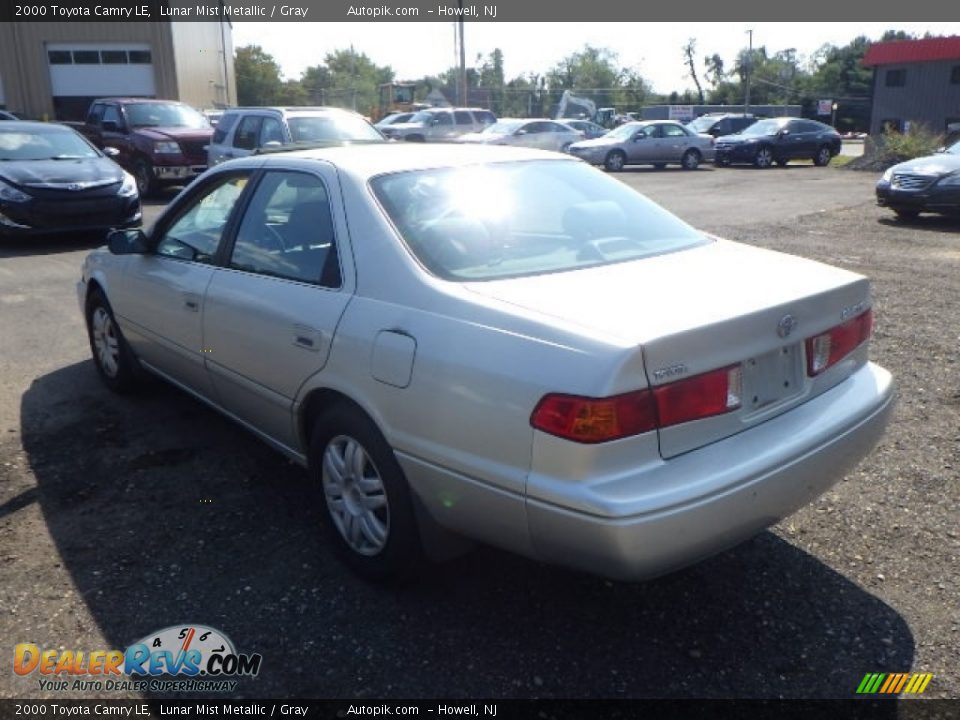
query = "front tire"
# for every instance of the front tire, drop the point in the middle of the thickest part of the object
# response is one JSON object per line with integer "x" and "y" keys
{"x": 147, "y": 184}
{"x": 822, "y": 158}
{"x": 112, "y": 357}
{"x": 690, "y": 160}
{"x": 763, "y": 158}
{"x": 615, "y": 161}
{"x": 370, "y": 515}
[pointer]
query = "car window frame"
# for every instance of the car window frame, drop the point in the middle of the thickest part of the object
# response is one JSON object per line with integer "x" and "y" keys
{"x": 186, "y": 202}
{"x": 228, "y": 242}
{"x": 255, "y": 117}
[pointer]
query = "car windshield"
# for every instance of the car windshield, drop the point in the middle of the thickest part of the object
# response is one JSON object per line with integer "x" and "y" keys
{"x": 334, "y": 126}
{"x": 164, "y": 115}
{"x": 953, "y": 149}
{"x": 500, "y": 220}
{"x": 503, "y": 127}
{"x": 764, "y": 127}
{"x": 701, "y": 124}
{"x": 51, "y": 143}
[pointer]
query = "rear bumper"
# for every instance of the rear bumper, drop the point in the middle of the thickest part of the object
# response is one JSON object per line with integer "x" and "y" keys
{"x": 725, "y": 492}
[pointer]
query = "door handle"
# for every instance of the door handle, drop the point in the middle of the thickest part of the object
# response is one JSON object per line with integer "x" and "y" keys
{"x": 306, "y": 337}
{"x": 191, "y": 302}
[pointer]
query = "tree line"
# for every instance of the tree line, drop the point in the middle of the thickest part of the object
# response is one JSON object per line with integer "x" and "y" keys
{"x": 349, "y": 78}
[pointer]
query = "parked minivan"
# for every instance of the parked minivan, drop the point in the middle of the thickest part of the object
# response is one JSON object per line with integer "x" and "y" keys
{"x": 242, "y": 131}
{"x": 439, "y": 124}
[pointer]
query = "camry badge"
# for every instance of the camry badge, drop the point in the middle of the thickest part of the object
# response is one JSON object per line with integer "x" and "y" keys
{"x": 786, "y": 325}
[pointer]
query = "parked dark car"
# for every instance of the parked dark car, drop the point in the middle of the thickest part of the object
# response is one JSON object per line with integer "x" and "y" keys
{"x": 926, "y": 184}
{"x": 779, "y": 140}
{"x": 54, "y": 180}
{"x": 161, "y": 142}
{"x": 720, "y": 124}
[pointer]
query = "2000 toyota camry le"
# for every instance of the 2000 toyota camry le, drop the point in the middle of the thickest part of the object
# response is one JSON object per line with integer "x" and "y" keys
{"x": 500, "y": 344}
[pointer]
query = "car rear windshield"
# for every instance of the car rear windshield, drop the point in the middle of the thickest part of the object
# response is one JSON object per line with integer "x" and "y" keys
{"x": 46, "y": 144}
{"x": 499, "y": 220}
{"x": 335, "y": 126}
{"x": 164, "y": 115}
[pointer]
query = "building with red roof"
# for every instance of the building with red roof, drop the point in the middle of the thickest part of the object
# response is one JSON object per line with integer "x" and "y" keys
{"x": 915, "y": 82}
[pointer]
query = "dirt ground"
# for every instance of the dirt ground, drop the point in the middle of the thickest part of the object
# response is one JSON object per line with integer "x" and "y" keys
{"x": 122, "y": 516}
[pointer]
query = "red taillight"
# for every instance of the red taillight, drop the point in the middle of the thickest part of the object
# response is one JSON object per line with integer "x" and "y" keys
{"x": 831, "y": 347}
{"x": 594, "y": 420}
{"x": 712, "y": 393}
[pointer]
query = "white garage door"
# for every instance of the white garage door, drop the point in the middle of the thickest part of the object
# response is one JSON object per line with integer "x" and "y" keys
{"x": 95, "y": 70}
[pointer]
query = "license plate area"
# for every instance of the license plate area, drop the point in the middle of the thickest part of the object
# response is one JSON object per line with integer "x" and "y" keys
{"x": 772, "y": 378}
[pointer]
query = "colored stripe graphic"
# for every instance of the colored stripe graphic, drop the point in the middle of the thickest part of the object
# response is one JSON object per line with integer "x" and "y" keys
{"x": 894, "y": 683}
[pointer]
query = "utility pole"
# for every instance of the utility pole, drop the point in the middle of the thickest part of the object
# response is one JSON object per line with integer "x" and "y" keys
{"x": 463, "y": 61}
{"x": 746, "y": 99}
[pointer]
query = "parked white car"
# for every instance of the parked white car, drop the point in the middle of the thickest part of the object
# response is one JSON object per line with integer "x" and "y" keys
{"x": 534, "y": 133}
{"x": 440, "y": 124}
{"x": 496, "y": 343}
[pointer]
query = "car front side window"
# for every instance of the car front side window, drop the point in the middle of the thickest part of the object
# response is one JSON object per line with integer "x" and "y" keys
{"x": 196, "y": 233}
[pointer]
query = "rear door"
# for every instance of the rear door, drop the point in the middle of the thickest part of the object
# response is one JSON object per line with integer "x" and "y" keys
{"x": 271, "y": 311}
{"x": 675, "y": 142}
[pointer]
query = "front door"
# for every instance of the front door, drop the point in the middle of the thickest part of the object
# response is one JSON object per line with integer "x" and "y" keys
{"x": 163, "y": 292}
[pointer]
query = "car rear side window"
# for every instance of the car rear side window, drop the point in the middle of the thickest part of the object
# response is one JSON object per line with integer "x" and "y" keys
{"x": 463, "y": 117}
{"x": 287, "y": 231}
{"x": 512, "y": 219}
{"x": 196, "y": 233}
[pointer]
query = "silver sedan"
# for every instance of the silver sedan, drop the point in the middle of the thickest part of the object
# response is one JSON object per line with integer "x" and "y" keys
{"x": 497, "y": 344}
{"x": 539, "y": 133}
{"x": 655, "y": 142}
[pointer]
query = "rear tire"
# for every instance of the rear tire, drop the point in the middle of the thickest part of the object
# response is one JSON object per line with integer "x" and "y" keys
{"x": 369, "y": 510}
{"x": 113, "y": 358}
{"x": 615, "y": 161}
{"x": 822, "y": 158}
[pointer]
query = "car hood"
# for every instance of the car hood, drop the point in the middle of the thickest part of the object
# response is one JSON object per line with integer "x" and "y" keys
{"x": 939, "y": 164}
{"x": 61, "y": 174}
{"x": 174, "y": 133}
{"x": 664, "y": 296}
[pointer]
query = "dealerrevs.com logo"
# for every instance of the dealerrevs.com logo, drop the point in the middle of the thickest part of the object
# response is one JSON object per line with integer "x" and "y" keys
{"x": 180, "y": 658}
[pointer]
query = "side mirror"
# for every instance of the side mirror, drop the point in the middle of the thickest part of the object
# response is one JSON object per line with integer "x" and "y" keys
{"x": 127, "y": 242}
{"x": 111, "y": 152}
{"x": 110, "y": 126}
{"x": 273, "y": 144}
{"x": 783, "y": 132}
{"x": 639, "y": 137}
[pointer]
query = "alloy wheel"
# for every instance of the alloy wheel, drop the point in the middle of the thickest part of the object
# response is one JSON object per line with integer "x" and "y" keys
{"x": 105, "y": 342}
{"x": 355, "y": 495}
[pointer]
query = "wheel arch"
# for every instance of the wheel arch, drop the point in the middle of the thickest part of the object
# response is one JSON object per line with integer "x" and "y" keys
{"x": 316, "y": 401}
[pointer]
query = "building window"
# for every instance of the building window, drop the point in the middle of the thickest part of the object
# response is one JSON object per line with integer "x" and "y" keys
{"x": 114, "y": 57}
{"x": 140, "y": 57}
{"x": 896, "y": 78}
{"x": 60, "y": 57}
{"x": 955, "y": 75}
{"x": 86, "y": 57}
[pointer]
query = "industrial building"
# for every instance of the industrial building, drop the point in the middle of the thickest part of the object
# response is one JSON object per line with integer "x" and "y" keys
{"x": 915, "y": 82}
{"x": 52, "y": 70}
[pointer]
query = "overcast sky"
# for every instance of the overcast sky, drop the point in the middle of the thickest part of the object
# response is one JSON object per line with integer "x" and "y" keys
{"x": 417, "y": 49}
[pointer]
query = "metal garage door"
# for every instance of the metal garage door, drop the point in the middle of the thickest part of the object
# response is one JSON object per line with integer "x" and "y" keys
{"x": 80, "y": 72}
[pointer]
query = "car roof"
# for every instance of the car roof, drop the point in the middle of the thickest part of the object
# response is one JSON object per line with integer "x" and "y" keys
{"x": 153, "y": 101}
{"x": 288, "y": 110}
{"x": 366, "y": 161}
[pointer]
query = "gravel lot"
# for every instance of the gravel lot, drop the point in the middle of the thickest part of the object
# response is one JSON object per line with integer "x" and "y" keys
{"x": 121, "y": 516}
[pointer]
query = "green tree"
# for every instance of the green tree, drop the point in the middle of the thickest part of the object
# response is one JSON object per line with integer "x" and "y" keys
{"x": 347, "y": 79}
{"x": 258, "y": 76}
{"x": 689, "y": 51}
{"x": 595, "y": 73}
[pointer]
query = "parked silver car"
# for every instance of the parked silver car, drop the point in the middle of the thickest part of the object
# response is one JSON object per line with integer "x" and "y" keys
{"x": 538, "y": 133}
{"x": 497, "y": 343}
{"x": 440, "y": 124}
{"x": 652, "y": 142}
{"x": 242, "y": 131}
